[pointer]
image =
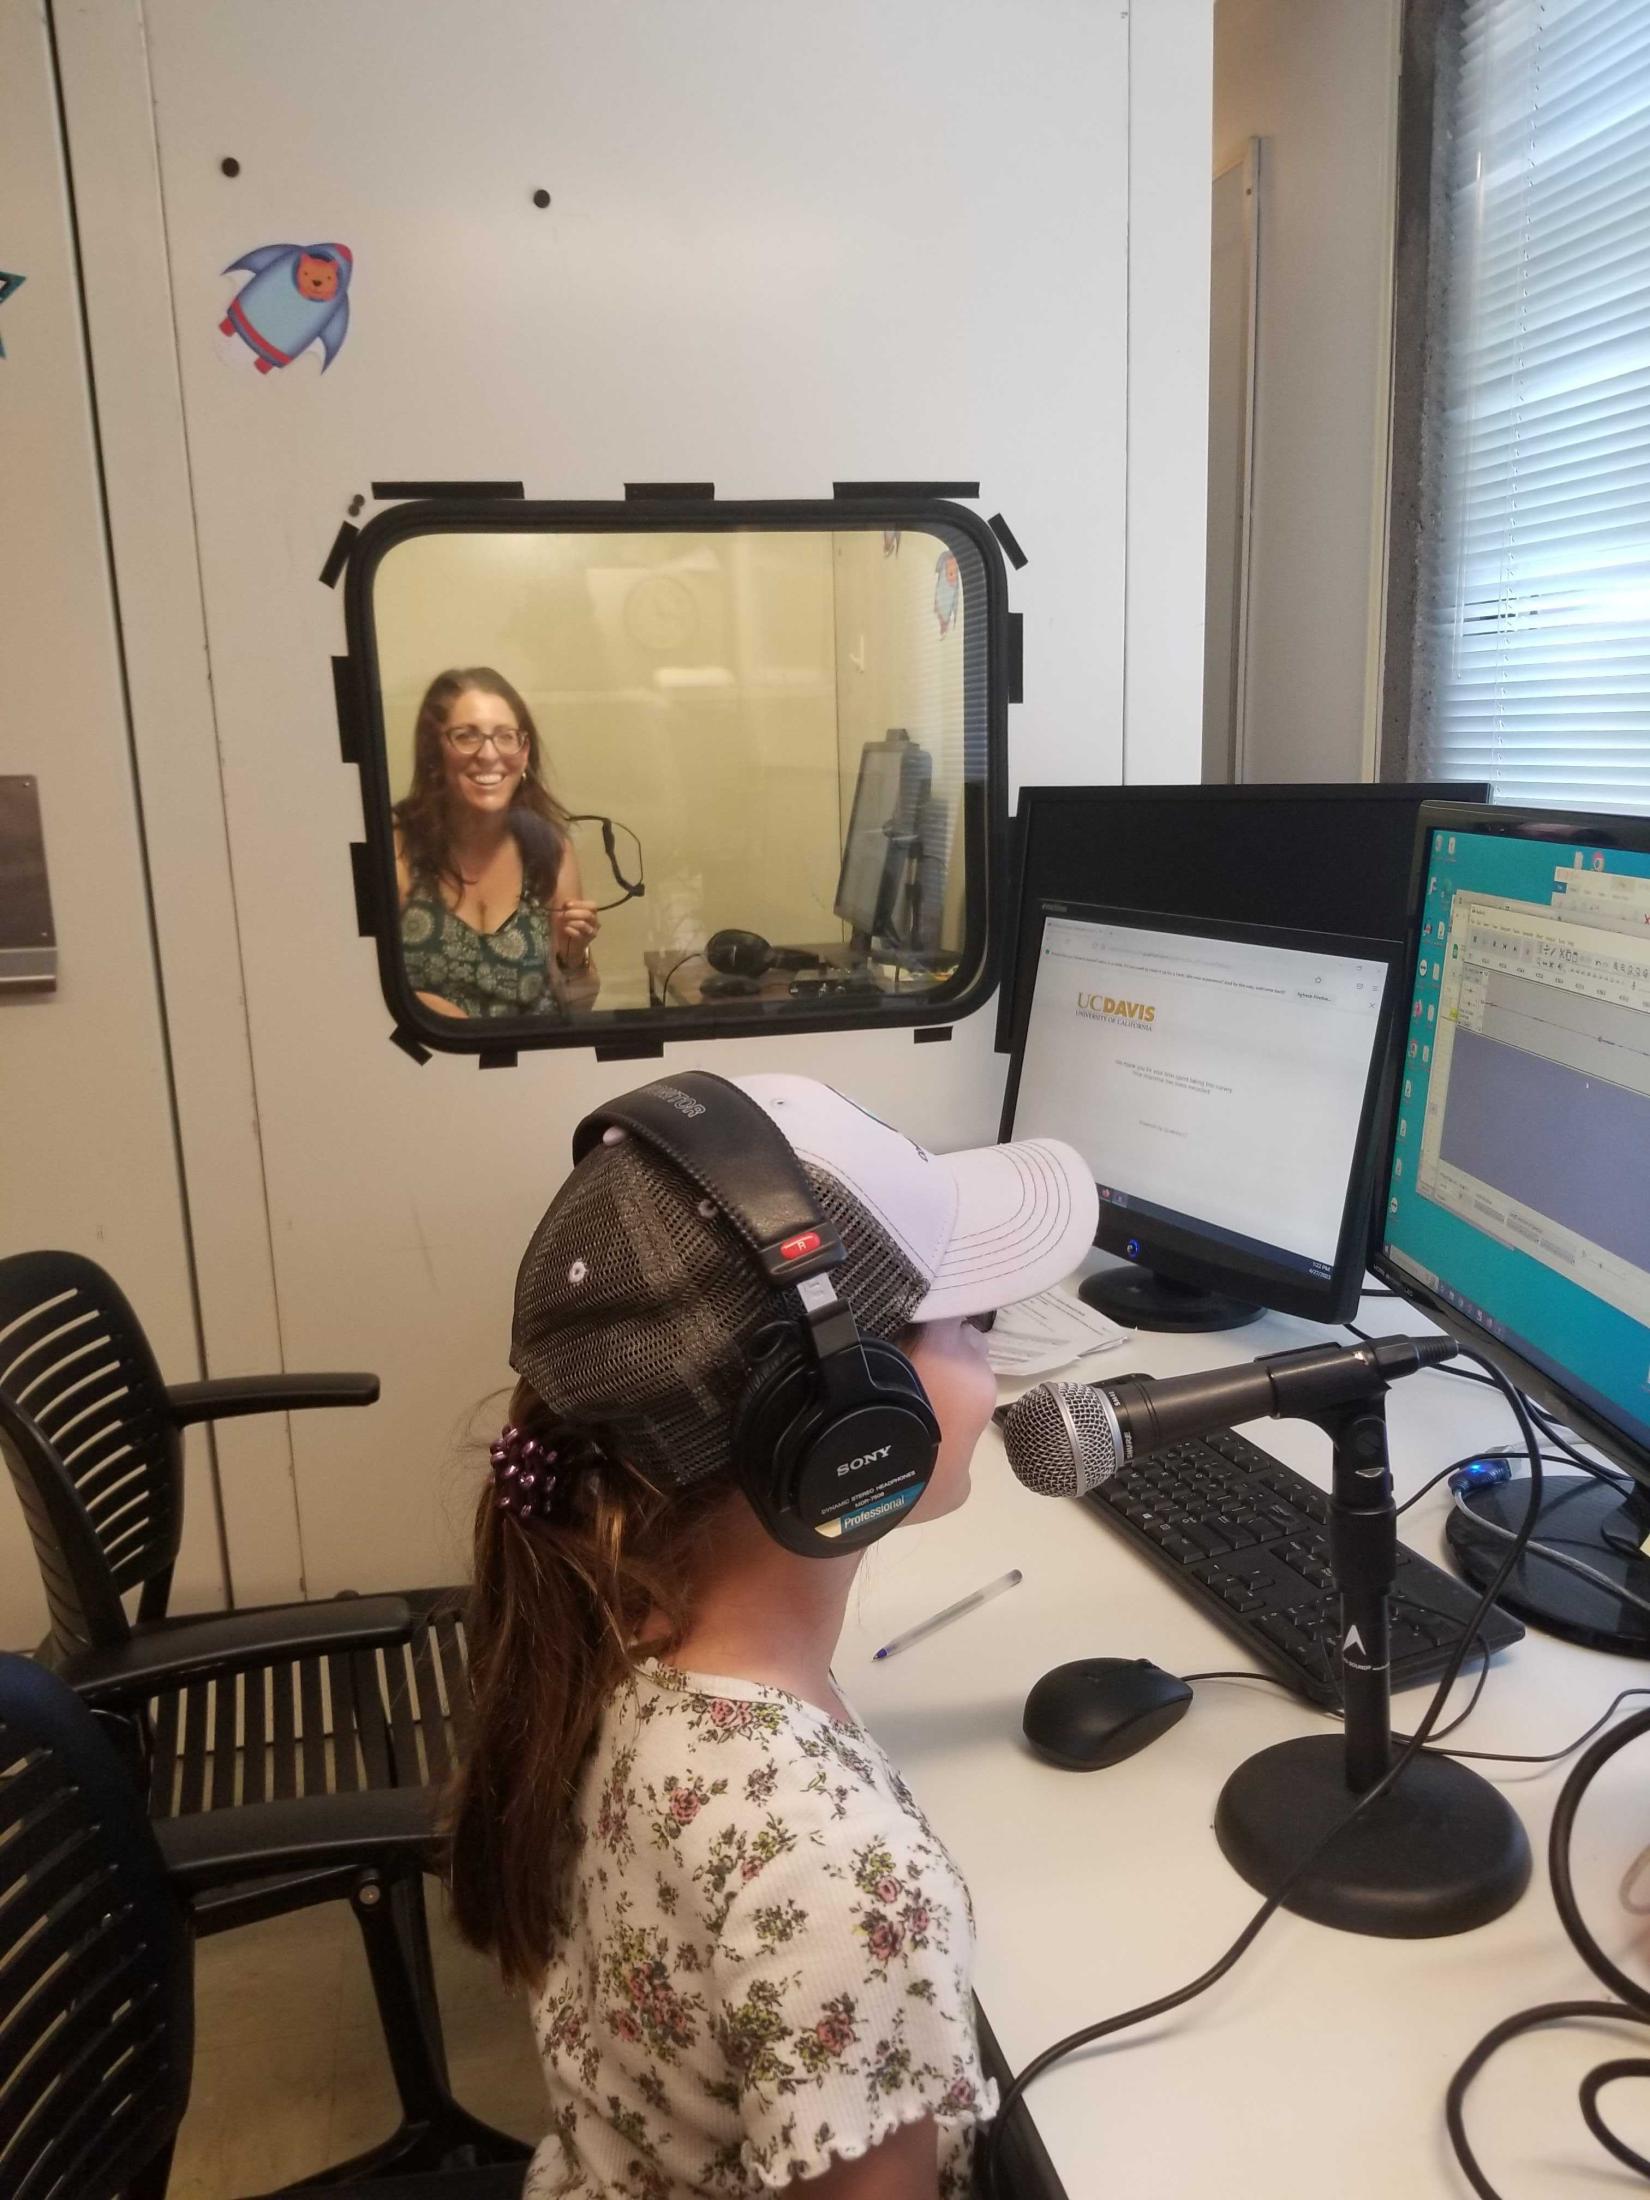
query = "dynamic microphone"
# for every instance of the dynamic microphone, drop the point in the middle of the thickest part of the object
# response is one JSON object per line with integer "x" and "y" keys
{"x": 1065, "y": 1439}
{"x": 740, "y": 954}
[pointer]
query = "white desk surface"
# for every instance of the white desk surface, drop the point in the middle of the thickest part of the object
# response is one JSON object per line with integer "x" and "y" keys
{"x": 1318, "y": 2067}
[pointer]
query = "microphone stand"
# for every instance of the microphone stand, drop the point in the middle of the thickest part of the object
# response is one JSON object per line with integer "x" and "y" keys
{"x": 1442, "y": 1851}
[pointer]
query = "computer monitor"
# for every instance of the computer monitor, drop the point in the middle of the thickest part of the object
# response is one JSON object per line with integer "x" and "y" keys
{"x": 1330, "y": 858}
{"x": 1223, "y": 1081}
{"x": 1517, "y": 1203}
{"x": 881, "y": 850}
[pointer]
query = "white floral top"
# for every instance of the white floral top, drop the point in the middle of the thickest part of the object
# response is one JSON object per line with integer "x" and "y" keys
{"x": 768, "y": 1960}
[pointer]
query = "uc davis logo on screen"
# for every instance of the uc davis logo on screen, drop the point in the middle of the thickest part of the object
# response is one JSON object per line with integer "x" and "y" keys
{"x": 1107, "y": 1008}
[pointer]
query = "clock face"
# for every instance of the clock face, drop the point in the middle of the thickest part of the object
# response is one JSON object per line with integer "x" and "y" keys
{"x": 659, "y": 613}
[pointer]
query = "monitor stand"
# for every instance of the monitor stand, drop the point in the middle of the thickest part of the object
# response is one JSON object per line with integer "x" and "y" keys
{"x": 1602, "y": 1526}
{"x": 1141, "y": 1299}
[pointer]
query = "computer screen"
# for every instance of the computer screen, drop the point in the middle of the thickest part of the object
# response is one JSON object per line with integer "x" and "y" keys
{"x": 1318, "y": 858}
{"x": 891, "y": 790}
{"x": 1221, "y": 1082}
{"x": 1519, "y": 1192}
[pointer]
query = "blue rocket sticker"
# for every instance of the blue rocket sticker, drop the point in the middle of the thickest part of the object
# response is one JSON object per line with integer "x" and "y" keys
{"x": 298, "y": 296}
{"x": 947, "y": 590}
{"x": 8, "y": 283}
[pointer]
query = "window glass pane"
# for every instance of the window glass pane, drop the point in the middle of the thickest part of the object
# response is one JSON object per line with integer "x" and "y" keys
{"x": 1534, "y": 624}
{"x": 733, "y": 772}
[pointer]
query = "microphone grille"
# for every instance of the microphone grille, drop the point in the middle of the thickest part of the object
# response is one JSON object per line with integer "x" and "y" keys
{"x": 1061, "y": 1440}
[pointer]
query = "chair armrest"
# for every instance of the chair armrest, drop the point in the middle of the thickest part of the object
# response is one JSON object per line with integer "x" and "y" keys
{"x": 183, "y": 1650}
{"x": 391, "y": 1827}
{"x": 235, "y": 1395}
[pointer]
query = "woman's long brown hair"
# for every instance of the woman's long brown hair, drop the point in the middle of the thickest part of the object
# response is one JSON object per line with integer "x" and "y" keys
{"x": 555, "y": 1613}
{"x": 422, "y": 817}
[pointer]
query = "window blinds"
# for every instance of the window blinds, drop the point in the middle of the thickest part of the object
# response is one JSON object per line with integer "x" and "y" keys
{"x": 1533, "y": 623}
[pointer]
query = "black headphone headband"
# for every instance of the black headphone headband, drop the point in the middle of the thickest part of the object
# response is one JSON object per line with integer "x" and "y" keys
{"x": 722, "y": 1141}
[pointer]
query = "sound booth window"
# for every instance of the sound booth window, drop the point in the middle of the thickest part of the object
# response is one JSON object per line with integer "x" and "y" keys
{"x": 713, "y": 769}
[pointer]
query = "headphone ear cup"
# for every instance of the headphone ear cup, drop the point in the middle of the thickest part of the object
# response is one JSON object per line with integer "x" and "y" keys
{"x": 780, "y": 1388}
{"x": 781, "y": 1426}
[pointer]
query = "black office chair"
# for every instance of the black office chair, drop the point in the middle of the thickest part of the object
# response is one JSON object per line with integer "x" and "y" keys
{"x": 231, "y": 1709}
{"x": 97, "y": 1914}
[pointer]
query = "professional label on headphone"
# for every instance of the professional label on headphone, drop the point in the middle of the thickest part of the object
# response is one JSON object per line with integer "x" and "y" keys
{"x": 882, "y": 1510}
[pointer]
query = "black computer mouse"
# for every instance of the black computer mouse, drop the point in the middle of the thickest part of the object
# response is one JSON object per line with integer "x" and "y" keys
{"x": 1097, "y": 1711}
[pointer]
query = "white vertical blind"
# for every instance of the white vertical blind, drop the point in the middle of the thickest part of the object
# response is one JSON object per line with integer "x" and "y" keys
{"x": 1533, "y": 629}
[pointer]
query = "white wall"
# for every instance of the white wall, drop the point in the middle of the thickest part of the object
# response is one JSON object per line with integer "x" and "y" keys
{"x": 786, "y": 246}
{"x": 87, "y": 1158}
{"x": 1316, "y": 80}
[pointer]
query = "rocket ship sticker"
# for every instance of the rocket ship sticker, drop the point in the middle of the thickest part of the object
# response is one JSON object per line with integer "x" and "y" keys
{"x": 298, "y": 296}
{"x": 947, "y": 590}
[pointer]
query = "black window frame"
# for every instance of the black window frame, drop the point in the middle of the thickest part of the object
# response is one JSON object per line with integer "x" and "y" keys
{"x": 635, "y": 1033}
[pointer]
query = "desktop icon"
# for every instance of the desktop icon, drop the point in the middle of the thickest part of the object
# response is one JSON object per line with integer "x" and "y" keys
{"x": 1409, "y": 1088}
{"x": 1392, "y": 1206}
{"x": 1432, "y": 883}
{"x": 1397, "y": 1168}
{"x": 1452, "y": 844}
{"x": 1598, "y": 861}
{"x": 1413, "y": 1049}
{"x": 1403, "y": 1126}
{"x": 1426, "y": 1054}
{"x": 1432, "y": 1013}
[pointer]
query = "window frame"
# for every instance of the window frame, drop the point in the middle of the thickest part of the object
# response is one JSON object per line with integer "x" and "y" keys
{"x": 638, "y": 1033}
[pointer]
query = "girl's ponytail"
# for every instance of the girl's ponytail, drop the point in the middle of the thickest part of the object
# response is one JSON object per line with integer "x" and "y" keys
{"x": 563, "y": 1592}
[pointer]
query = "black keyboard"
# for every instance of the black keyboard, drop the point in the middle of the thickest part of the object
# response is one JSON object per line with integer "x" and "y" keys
{"x": 1248, "y": 1538}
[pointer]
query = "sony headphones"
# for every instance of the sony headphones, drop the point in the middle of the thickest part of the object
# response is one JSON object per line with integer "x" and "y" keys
{"x": 834, "y": 1439}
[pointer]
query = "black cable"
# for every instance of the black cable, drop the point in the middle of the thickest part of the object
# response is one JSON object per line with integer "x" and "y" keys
{"x": 1091, "y": 2033}
{"x": 664, "y": 991}
{"x": 1632, "y": 2008}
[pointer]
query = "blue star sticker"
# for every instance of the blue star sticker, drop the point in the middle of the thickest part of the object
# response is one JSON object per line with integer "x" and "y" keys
{"x": 8, "y": 283}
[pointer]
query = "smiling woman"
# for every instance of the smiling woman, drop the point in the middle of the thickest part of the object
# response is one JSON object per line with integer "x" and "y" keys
{"x": 494, "y": 921}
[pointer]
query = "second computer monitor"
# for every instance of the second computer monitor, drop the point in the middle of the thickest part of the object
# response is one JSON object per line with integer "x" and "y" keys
{"x": 1223, "y": 1081}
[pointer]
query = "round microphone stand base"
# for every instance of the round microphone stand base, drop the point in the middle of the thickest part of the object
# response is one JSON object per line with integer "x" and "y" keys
{"x": 1441, "y": 1852}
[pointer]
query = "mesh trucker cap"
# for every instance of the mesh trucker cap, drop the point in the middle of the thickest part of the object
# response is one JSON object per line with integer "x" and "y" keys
{"x": 637, "y": 1306}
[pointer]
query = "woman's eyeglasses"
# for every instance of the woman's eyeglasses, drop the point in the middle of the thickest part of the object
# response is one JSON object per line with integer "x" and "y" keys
{"x": 468, "y": 740}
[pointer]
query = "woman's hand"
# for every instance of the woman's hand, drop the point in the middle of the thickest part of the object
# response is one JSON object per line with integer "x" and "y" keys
{"x": 574, "y": 924}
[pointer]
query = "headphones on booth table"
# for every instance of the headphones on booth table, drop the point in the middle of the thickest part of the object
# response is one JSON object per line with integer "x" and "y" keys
{"x": 834, "y": 1439}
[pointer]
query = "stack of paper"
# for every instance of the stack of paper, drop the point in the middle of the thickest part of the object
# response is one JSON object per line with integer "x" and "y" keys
{"x": 1052, "y": 1330}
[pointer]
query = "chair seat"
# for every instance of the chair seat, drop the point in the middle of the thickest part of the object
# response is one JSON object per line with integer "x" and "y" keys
{"x": 392, "y": 1717}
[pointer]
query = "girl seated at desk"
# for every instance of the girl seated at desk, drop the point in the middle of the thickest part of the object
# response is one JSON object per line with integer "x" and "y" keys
{"x": 748, "y": 1952}
{"x": 494, "y": 920}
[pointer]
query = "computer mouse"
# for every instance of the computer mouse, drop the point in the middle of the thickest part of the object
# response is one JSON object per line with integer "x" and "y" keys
{"x": 1097, "y": 1711}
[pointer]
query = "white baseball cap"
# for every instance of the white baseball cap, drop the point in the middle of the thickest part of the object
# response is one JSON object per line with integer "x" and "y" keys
{"x": 983, "y": 1227}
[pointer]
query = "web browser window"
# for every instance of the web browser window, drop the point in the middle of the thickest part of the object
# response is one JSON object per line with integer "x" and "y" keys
{"x": 1520, "y": 1185}
{"x": 1213, "y": 1083}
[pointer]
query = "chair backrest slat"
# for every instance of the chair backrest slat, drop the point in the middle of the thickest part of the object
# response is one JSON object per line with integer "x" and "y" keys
{"x": 96, "y": 2016}
{"x": 89, "y": 1442}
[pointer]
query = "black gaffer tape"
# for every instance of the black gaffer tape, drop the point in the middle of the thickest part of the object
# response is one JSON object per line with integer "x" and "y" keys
{"x": 343, "y": 702}
{"x": 931, "y": 1035}
{"x": 1016, "y": 657}
{"x": 412, "y": 1047}
{"x": 401, "y": 492}
{"x": 662, "y": 492}
{"x": 903, "y": 489}
{"x": 338, "y": 556}
{"x": 496, "y": 1058}
{"x": 1005, "y": 535}
{"x": 361, "y": 876}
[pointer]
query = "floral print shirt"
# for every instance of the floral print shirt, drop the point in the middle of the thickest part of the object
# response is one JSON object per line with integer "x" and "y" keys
{"x": 767, "y": 1957}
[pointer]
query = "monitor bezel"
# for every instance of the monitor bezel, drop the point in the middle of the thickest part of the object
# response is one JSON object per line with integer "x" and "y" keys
{"x": 1024, "y": 891}
{"x": 1182, "y": 1255}
{"x": 1565, "y": 828}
